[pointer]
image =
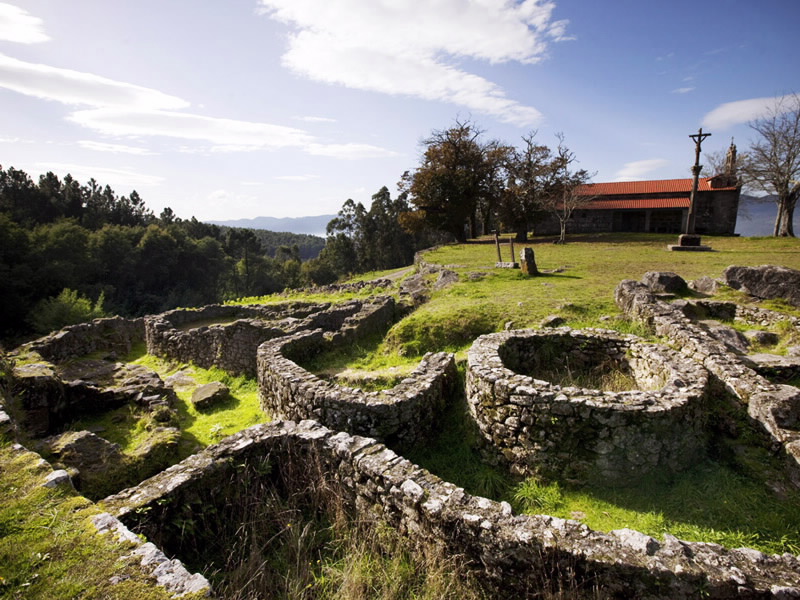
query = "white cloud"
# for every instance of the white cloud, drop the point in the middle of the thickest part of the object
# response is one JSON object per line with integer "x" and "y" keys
{"x": 77, "y": 88}
{"x": 316, "y": 119}
{"x": 299, "y": 178}
{"x": 733, "y": 113}
{"x": 349, "y": 151}
{"x": 114, "y": 148}
{"x": 228, "y": 134}
{"x": 104, "y": 175}
{"x": 683, "y": 90}
{"x": 225, "y": 198}
{"x": 17, "y": 25}
{"x": 123, "y": 109}
{"x": 410, "y": 47}
{"x": 639, "y": 168}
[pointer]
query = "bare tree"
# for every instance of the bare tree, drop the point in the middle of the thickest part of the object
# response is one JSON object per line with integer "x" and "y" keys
{"x": 564, "y": 195}
{"x": 773, "y": 161}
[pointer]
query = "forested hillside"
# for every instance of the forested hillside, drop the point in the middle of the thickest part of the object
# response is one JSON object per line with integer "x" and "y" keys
{"x": 70, "y": 251}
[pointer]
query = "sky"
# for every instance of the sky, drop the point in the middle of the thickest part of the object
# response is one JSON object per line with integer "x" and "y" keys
{"x": 230, "y": 109}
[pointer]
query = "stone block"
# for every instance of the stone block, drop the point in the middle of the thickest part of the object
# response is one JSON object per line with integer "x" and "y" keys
{"x": 210, "y": 394}
{"x": 665, "y": 282}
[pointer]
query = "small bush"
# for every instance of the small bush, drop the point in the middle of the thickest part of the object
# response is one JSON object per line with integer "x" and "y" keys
{"x": 533, "y": 496}
{"x": 68, "y": 308}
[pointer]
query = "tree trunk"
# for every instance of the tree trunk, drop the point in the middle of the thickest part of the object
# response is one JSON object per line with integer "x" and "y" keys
{"x": 486, "y": 221}
{"x": 563, "y": 237}
{"x": 786, "y": 218}
{"x": 776, "y": 230}
{"x": 473, "y": 225}
{"x": 521, "y": 232}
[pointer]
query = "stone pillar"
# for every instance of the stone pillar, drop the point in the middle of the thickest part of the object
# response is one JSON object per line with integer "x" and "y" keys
{"x": 528, "y": 262}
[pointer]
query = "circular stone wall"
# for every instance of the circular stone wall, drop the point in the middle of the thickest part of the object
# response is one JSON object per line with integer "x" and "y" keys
{"x": 537, "y": 427}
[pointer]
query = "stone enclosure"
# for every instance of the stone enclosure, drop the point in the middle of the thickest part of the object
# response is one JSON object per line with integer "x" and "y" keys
{"x": 579, "y": 434}
{"x": 514, "y": 556}
{"x": 774, "y": 406}
{"x": 528, "y": 422}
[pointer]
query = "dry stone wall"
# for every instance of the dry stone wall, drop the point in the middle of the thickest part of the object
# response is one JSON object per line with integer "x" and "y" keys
{"x": 514, "y": 556}
{"x": 150, "y": 562}
{"x": 53, "y": 392}
{"x": 113, "y": 334}
{"x": 537, "y": 427}
{"x": 232, "y": 345}
{"x": 775, "y": 407}
{"x": 402, "y": 416}
{"x": 231, "y": 342}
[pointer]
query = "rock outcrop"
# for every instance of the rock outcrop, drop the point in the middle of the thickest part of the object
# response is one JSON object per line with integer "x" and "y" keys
{"x": 767, "y": 282}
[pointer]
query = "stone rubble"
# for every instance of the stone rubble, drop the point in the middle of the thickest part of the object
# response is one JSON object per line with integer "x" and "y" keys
{"x": 764, "y": 400}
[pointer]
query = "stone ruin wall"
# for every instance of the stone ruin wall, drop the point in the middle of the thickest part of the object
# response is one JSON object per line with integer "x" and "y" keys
{"x": 504, "y": 548}
{"x": 513, "y": 555}
{"x": 780, "y": 369}
{"x": 538, "y": 428}
{"x": 774, "y": 407}
{"x": 232, "y": 346}
{"x": 751, "y": 315}
{"x": 48, "y": 401}
{"x": 402, "y": 416}
{"x": 113, "y": 334}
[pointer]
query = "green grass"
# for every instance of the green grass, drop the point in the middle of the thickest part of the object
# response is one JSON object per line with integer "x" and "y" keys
{"x": 305, "y": 296}
{"x": 452, "y": 455}
{"x": 582, "y": 292}
{"x": 201, "y": 428}
{"x": 49, "y": 549}
{"x": 129, "y": 426}
{"x": 709, "y": 503}
{"x": 366, "y": 363}
{"x": 45, "y": 533}
{"x": 126, "y": 426}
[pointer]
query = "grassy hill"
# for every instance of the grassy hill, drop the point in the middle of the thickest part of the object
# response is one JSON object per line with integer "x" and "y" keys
{"x": 45, "y": 545}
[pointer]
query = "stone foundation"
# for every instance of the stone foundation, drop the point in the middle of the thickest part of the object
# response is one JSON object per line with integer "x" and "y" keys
{"x": 775, "y": 407}
{"x": 514, "y": 556}
{"x": 402, "y": 416}
{"x": 114, "y": 334}
{"x": 538, "y": 428}
{"x": 231, "y": 343}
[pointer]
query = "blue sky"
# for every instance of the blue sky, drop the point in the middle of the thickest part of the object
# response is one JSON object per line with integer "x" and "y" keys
{"x": 244, "y": 108}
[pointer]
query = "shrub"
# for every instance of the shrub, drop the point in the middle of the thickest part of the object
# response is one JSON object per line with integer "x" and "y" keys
{"x": 68, "y": 308}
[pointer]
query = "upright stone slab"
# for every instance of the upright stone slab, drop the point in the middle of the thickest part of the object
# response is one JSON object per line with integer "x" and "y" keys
{"x": 528, "y": 262}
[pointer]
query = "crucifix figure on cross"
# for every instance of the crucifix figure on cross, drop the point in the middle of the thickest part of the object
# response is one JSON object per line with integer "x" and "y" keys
{"x": 696, "y": 168}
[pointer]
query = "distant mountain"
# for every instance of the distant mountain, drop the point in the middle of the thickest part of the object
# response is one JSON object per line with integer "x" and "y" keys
{"x": 757, "y": 216}
{"x": 308, "y": 225}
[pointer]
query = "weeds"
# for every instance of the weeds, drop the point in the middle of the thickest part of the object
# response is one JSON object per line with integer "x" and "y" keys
{"x": 288, "y": 532}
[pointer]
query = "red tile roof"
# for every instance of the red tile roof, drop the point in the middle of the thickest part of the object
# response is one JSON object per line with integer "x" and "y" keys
{"x": 636, "y": 203}
{"x": 657, "y": 186}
